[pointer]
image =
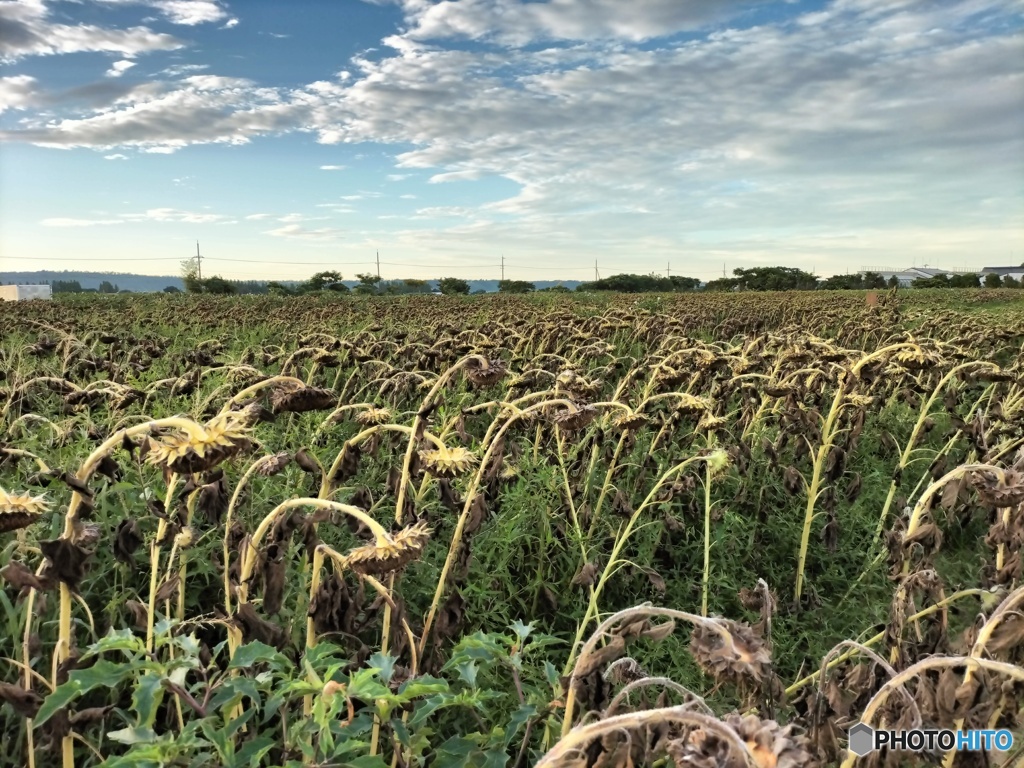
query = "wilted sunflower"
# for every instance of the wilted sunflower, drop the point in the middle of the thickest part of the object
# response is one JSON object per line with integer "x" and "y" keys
{"x": 391, "y": 554}
{"x": 631, "y": 422}
{"x": 373, "y": 416}
{"x": 485, "y": 376}
{"x": 573, "y": 419}
{"x": 302, "y": 399}
{"x": 687, "y": 403}
{"x": 203, "y": 447}
{"x": 737, "y": 655}
{"x": 20, "y": 510}
{"x": 770, "y": 744}
{"x": 447, "y": 462}
{"x": 861, "y": 401}
{"x": 709, "y": 421}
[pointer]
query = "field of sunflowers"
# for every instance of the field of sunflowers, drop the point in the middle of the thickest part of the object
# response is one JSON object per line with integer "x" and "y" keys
{"x": 711, "y": 530}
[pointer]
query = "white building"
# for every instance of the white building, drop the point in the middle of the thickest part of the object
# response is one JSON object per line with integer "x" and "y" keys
{"x": 909, "y": 275}
{"x": 24, "y": 292}
{"x": 1017, "y": 273}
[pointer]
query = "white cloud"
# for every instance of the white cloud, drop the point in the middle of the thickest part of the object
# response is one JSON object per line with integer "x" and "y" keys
{"x": 258, "y": 216}
{"x": 230, "y": 23}
{"x": 297, "y": 232}
{"x": 175, "y": 215}
{"x": 333, "y": 167}
{"x": 398, "y": 176}
{"x": 115, "y": 156}
{"x": 118, "y": 68}
{"x": 64, "y": 222}
{"x": 27, "y": 31}
{"x": 17, "y": 92}
{"x": 185, "y": 12}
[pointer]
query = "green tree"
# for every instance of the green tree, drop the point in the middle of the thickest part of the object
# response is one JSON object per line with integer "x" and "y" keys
{"x": 774, "y": 279}
{"x": 66, "y": 286}
{"x": 275, "y": 288}
{"x": 107, "y": 287}
{"x": 845, "y": 283}
{"x": 1009, "y": 281}
{"x": 367, "y": 283}
{"x": 172, "y": 289}
{"x": 218, "y": 284}
{"x": 515, "y": 286}
{"x": 894, "y": 282}
{"x": 190, "y": 275}
{"x": 324, "y": 281}
{"x": 873, "y": 280}
{"x": 451, "y": 286}
{"x": 992, "y": 280}
{"x": 965, "y": 281}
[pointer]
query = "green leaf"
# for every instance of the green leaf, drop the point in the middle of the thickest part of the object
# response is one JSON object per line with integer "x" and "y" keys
{"x": 385, "y": 663}
{"x": 146, "y": 699}
{"x": 256, "y": 653}
{"x": 81, "y": 681}
{"x": 363, "y": 685}
{"x": 519, "y": 718}
{"x": 117, "y": 640}
{"x": 253, "y": 751}
{"x": 421, "y": 686}
{"x": 522, "y": 630}
{"x": 133, "y": 736}
{"x": 467, "y": 671}
{"x": 551, "y": 673}
{"x": 219, "y": 738}
{"x": 230, "y": 692}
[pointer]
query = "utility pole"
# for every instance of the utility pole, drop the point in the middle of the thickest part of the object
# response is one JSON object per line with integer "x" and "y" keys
{"x": 378, "y": 265}
{"x": 503, "y": 267}
{"x": 723, "y": 269}
{"x": 199, "y": 261}
{"x": 668, "y": 269}
{"x": 597, "y": 275}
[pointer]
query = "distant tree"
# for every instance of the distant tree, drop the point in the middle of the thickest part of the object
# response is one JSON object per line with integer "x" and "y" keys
{"x": 938, "y": 281}
{"x": 992, "y": 280}
{"x": 190, "y": 275}
{"x": 554, "y": 289}
{"x": 774, "y": 279}
{"x": 324, "y": 281}
{"x": 219, "y": 285}
{"x": 416, "y": 286}
{"x": 66, "y": 286}
{"x": 628, "y": 283}
{"x": 965, "y": 281}
{"x": 722, "y": 284}
{"x": 873, "y": 280}
{"x": 845, "y": 283}
{"x": 451, "y": 286}
{"x": 894, "y": 282}
{"x": 275, "y": 288}
{"x": 478, "y": 291}
{"x": 1009, "y": 281}
{"x": 367, "y": 283}
{"x": 172, "y": 289}
{"x": 515, "y": 286}
{"x": 107, "y": 287}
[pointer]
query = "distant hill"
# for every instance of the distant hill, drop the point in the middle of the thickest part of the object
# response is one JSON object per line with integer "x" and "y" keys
{"x": 127, "y": 281}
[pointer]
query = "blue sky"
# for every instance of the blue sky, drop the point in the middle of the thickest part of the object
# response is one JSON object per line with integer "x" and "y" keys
{"x": 701, "y": 134}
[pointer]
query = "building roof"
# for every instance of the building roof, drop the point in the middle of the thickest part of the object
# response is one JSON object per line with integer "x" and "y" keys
{"x": 1001, "y": 270}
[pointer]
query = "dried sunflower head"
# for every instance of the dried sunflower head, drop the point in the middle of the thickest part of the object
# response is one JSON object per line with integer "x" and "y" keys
{"x": 392, "y": 554}
{"x": 485, "y": 376}
{"x": 861, "y": 401}
{"x": 447, "y": 462}
{"x": 272, "y": 465}
{"x": 373, "y": 416}
{"x": 302, "y": 399}
{"x": 737, "y": 655}
{"x": 573, "y": 419}
{"x": 20, "y": 510}
{"x": 203, "y": 447}
{"x": 631, "y": 421}
{"x": 770, "y": 745}
{"x": 710, "y": 422}
{"x": 687, "y": 403}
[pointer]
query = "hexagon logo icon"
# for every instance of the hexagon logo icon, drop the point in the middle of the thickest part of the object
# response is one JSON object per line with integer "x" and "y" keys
{"x": 862, "y": 739}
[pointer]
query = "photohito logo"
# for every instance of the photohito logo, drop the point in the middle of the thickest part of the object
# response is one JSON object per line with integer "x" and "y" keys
{"x": 864, "y": 739}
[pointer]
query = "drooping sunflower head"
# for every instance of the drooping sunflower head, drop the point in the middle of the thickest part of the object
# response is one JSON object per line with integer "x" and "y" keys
{"x": 448, "y": 462}
{"x": 771, "y": 745}
{"x": 631, "y": 422}
{"x": 484, "y": 376}
{"x": 687, "y": 403}
{"x": 391, "y": 554}
{"x": 373, "y": 416}
{"x": 736, "y": 655}
{"x": 574, "y": 419}
{"x": 20, "y": 510}
{"x": 302, "y": 399}
{"x": 203, "y": 447}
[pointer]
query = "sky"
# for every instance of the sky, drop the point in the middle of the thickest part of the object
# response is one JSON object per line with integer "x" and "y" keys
{"x": 688, "y": 137}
